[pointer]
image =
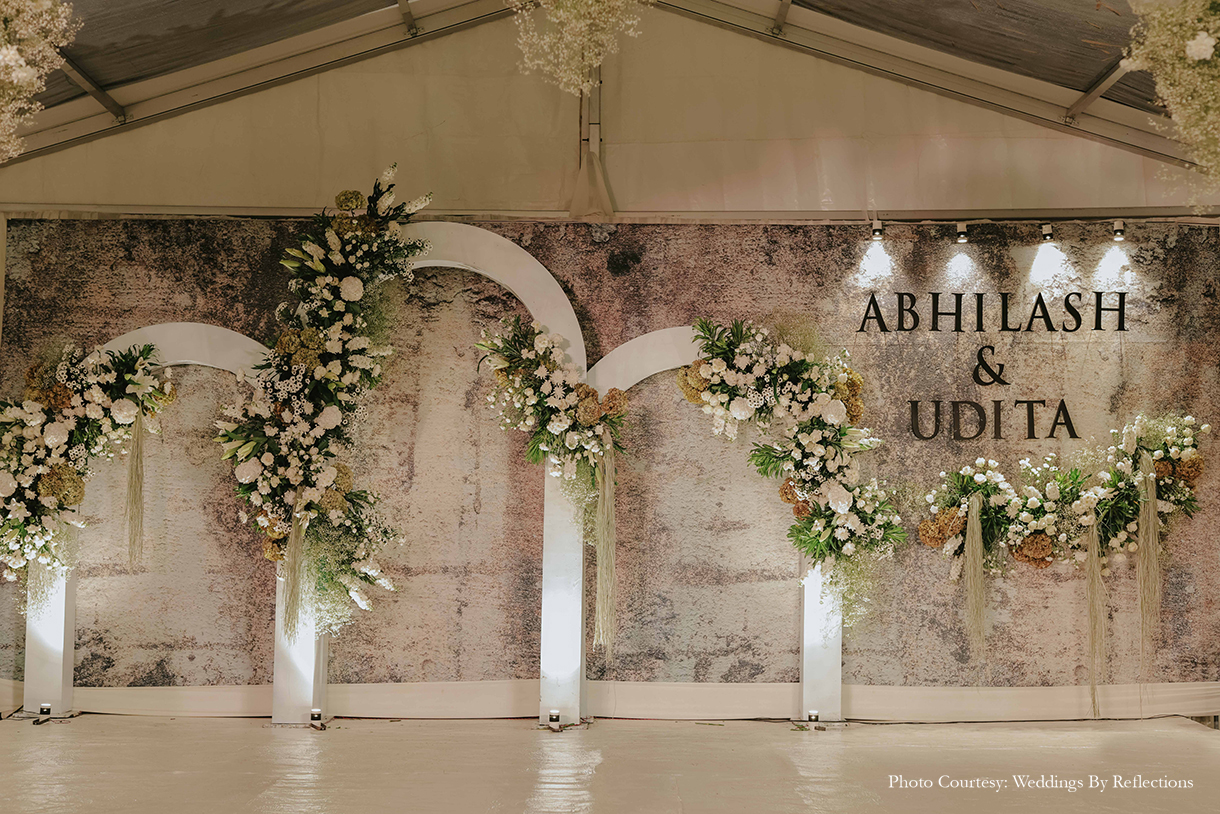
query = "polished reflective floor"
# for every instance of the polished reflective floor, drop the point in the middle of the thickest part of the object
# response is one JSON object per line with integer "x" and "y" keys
{"x": 101, "y": 763}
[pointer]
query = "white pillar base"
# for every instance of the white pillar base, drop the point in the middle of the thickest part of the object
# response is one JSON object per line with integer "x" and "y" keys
{"x": 821, "y": 653}
{"x": 563, "y": 611}
{"x": 50, "y": 645}
{"x": 299, "y": 672}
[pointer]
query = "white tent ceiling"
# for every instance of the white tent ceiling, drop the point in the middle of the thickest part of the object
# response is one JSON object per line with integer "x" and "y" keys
{"x": 848, "y": 116}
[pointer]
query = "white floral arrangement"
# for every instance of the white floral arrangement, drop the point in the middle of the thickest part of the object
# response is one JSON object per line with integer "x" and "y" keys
{"x": 1176, "y": 42}
{"x": 949, "y": 503}
{"x": 539, "y": 391}
{"x": 1044, "y": 529}
{"x": 1172, "y": 442}
{"x": 1044, "y": 520}
{"x": 77, "y": 407}
{"x": 805, "y": 408}
{"x": 32, "y": 32}
{"x": 567, "y": 40}
{"x": 286, "y": 440}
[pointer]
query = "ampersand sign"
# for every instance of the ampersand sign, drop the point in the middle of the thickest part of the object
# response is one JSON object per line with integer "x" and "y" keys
{"x": 995, "y": 376}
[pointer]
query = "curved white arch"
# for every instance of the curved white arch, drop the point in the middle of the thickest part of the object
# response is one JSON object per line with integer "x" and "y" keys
{"x": 821, "y": 630}
{"x": 299, "y": 673}
{"x": 654, "y": 352}
{"x": 459, "y": 245}
{"x": 194, "y": 343}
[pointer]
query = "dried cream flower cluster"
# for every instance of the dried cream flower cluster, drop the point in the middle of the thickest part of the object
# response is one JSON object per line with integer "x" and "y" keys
{"x": 31, "y": 34}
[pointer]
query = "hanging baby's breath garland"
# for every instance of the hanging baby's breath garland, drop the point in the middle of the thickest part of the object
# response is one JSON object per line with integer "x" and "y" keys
{"x": 77, "y": 407}
{"x": 805, "y": 408}
{"x": 32, "y": 32}
{"x": 288, "y": 439}
{"x": 573, "y": 431}
{"x": 1176, "y": 42}
{"x": 567, "y": 40}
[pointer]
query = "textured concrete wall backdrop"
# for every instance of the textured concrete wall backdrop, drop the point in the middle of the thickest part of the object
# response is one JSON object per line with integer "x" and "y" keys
{"x": 708, "y": 583}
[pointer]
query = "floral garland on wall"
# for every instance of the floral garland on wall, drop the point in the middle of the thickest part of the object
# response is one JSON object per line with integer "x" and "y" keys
{"x": 76, "y": 408}
{"x": 1176, "y": 42}
{"x": 573, "y": 431}
{"x": 32, "y": 32}
{"x": 288, "y": 439}
{"x": 1142, "y": 480}
{"x": 805, "y": 408}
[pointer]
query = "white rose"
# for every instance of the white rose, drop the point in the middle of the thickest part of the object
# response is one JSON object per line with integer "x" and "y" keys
{"x": 351, "y": 289}
{"x": 248, "y": 471}
{"x": 741, "y": 409}
{"x": 1201, "y": 47}
{"x": 55, "y": 434}
{"x": 330, "y": 417}
{"x": 326, "y": 477}
{"x": 8, "y": 484}
{"x": 124, "y": 411}
{"x": 1052, "y": 491}
{"x": 834, "y": 412}
{"x": 839, "y": 498}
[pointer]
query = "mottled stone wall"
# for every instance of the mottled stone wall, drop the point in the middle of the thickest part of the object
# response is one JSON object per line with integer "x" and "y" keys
{"x": 632, "y": 279}
{"x": 469, "y": 570}
{"x": 708, "y": 582}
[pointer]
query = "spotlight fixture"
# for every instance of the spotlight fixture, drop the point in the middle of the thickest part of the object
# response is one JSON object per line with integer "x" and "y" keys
{"x": 813, "y": 715}
{"x": 961, "y": 233}
{"x": 1120, "y": 231}
{"x": 315, "y": 715}
{"x": 44, "y": 714}
{"x": 44, "y": 709}
{"x": 877, "y": 230}
{"x": 1047, "y": 234}
{"x": 554, "y": 716}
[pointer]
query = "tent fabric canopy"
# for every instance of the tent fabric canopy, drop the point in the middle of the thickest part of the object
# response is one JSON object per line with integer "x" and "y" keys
{"x": 1070, "y": 43}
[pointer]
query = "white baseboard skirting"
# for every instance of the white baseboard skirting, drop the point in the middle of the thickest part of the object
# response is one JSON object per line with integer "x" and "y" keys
{"x": 670, "y": 701}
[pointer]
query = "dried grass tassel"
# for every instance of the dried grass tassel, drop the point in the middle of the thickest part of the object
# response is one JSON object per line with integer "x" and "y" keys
{"x": 1148, "y": 563}
{"x": 1095, "y": 588}
{"x": 134, "y": 510}
{"x": 604, "y": 622}
{"x": 295, "y": 573}
{"x": 975, "y": 596}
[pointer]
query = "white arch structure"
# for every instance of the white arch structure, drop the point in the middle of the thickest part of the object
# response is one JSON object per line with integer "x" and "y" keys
{"x": 821, "y": 626}
{"x": 300, "y": 667}
{"x": 299, "y": 682}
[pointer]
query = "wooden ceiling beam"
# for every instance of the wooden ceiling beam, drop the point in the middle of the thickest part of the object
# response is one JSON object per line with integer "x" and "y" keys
{"x": 1103, "y": 83}
{"x": 86, "y": 83}
{"x": 408, "y": 18}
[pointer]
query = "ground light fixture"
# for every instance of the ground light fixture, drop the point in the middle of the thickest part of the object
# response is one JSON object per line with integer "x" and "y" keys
{"x": 1120, "y": 231}
{"x": 1047, "y": 233}
{"x": 961, "y": 233}
{"x": 877, "y": 230}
